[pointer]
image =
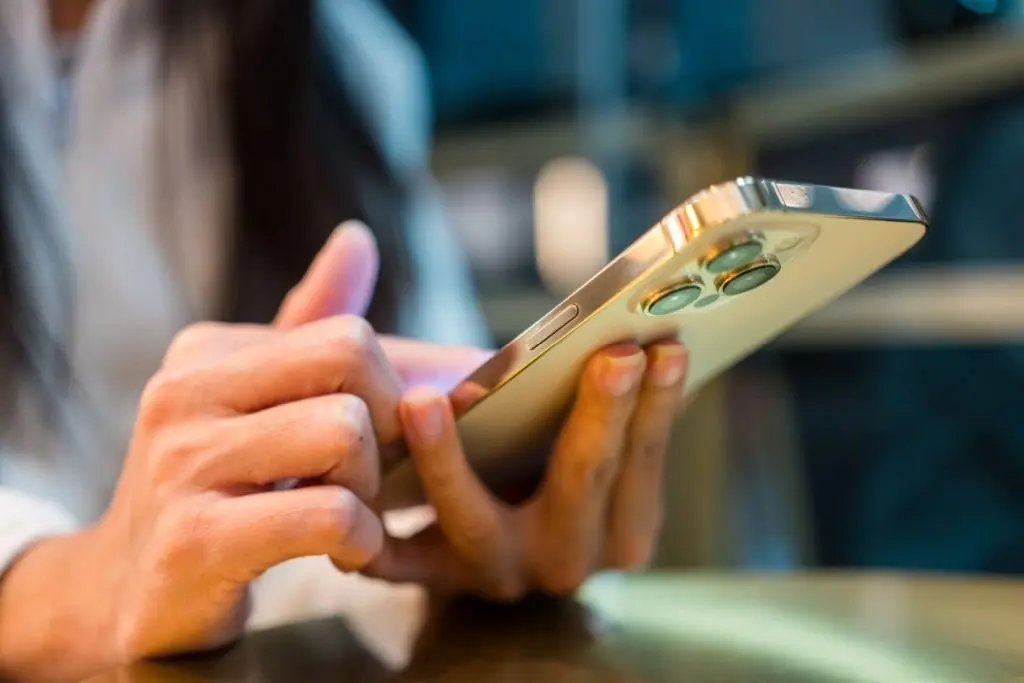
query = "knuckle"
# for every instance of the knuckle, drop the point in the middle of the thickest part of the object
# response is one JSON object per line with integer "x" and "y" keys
{"x": 352, "y": 533}
{"x": 354, "y": 335}
{"x": 184, "y": 533}
{"x": 650, "y": 448}
{"x": 596, "y": 467}
{"x": 335, "y": 518}
{"x": 351, "y": 344}
{"x": 350, "y": 417}
{"x": 181, "y": 455}
{"x": 164, "y": 458}
{"x": 166, "y": 394}
{"x": 191, "y": 339}
{"x": 357, "y": 460}
{"x": 345, "y": 420}
{"x": 605, "y": 468}
{"x": 176, "y": 446}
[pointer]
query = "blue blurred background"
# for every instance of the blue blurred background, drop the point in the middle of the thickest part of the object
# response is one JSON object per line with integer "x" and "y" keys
{"x": 884, "y": 432}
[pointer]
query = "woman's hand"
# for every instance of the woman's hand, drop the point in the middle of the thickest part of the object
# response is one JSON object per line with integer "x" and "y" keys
{"x": 197, "y": 513}
{"x": 598, "y": 507}
{"x": 600, "y": 504}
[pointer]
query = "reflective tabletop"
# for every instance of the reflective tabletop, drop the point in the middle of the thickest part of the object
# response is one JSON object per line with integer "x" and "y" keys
{"x": 666, "y": 628}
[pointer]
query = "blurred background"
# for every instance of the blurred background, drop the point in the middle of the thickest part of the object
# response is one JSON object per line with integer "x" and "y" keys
{"x": 884, "y": 432}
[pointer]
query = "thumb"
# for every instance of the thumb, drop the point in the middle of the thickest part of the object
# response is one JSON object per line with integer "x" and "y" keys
{"x": 340, "y": 280}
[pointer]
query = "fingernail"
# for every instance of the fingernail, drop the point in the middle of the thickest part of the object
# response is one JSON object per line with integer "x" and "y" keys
{"x": 335, "y": 237}
{"x": 425, "y": 411}
{"x": 349, "y": 226}
{"x": 669, "y": 365}
{"x": 349, "y": 231}
{"x": 365, "y": 533}
{"x": 623, "y": 372}
{"x": 338, "y": 234}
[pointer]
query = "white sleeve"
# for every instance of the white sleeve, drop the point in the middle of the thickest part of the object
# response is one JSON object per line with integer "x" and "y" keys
{"x": 25, "y": 520}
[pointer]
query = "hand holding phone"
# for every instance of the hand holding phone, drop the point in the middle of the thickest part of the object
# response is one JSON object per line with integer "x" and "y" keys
{"x": 725, "y": 273}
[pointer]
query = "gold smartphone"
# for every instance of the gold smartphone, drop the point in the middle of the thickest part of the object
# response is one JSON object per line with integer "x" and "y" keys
{"x": 726, "y": 272}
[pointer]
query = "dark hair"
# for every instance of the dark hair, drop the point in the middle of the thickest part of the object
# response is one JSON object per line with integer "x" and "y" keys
{"x": 305, "y": 160}
{"x": 31, "y": 339}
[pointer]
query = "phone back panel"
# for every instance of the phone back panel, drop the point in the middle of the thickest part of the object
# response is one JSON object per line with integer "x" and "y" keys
{"x": 824, "y": 241}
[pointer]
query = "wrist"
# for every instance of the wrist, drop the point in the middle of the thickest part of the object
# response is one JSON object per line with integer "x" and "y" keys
{"x": 56, "y": 607}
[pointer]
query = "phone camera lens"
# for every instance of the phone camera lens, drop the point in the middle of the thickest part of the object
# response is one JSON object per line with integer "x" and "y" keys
{"x": 707, "y": 301}
{"x": 749, "y": 277}
{"x": 674, "y": 299}
{"x": 734, "y": 256}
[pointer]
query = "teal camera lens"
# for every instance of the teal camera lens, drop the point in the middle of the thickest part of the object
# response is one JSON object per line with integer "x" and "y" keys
{"x": 749, "y": 278}
{"x": 707, "y": 301}
{"x": 674, "y": 300}
{"x": 735, "y": 256}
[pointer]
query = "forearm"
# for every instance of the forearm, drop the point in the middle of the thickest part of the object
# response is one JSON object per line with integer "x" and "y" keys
{"x": 54, "y": 612}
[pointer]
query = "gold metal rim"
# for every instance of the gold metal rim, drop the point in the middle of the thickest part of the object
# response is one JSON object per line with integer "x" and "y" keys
{"x": 766, "y": 261}
{"x": 687, "y": 281}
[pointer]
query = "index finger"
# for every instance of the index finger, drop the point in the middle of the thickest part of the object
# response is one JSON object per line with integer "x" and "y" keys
{"x": 337, "y": 355}
{"x": 340, "y": 280}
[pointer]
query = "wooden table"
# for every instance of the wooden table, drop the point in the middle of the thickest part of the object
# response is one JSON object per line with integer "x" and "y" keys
{"x": 706, "y": 629}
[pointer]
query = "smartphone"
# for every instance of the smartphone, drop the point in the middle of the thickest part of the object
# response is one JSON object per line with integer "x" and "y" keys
{"x": 726, "y": 272}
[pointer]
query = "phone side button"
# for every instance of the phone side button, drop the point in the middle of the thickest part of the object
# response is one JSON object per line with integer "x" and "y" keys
{"x": 552, "y": 327}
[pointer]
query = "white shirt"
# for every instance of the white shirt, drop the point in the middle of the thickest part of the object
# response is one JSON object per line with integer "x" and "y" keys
{"x": 89, "y": 141}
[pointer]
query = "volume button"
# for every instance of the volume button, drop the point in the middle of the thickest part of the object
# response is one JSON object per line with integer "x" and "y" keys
{"x": 553, "y": 326}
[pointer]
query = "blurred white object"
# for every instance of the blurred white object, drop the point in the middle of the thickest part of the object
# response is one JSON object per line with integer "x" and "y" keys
{"x": 570, "y": 209}
{"x": 386, "y": 618}
{"x": 483, "y": 210}
{"x": 902, "y": 171}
